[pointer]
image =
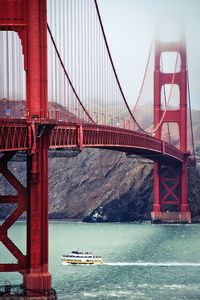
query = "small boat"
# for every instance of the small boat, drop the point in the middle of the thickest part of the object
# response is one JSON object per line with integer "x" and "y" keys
{"x": 81, "y": 258}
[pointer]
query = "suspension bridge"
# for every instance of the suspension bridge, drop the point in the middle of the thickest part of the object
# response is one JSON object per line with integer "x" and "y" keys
{"x": 60, "y": 90}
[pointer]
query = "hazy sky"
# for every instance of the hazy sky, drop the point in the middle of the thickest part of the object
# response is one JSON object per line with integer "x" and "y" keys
{"x": 130, "y": 25}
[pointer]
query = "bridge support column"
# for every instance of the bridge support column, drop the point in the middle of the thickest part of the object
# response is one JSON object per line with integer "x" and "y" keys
{"x": 185, "y": 214}
{"x": 170, "y": 194}
{"x": 29, "y": 20}
{"x": 171, "y": 180}
{"x": 156, "y": 205}
{"x": 37, "y": 276}
{"x": 32, "y": 199}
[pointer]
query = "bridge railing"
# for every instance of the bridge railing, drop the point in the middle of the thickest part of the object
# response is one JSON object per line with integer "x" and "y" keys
{"x": 173, "y": 151}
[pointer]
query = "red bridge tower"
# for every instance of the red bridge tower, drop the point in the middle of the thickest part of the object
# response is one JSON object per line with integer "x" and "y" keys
{"x": 29, "y": 19}
{"x": 171, "y": 180}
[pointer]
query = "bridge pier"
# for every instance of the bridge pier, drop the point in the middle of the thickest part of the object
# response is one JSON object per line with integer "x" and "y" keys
{"x": 29, "y": 20}
{"x": 170, "y": 194}
{"x": 171, "y": 217}
{"x": 171, "y": 180}
{"x": 37, "y": 275}
{"x": 33, "y": 199}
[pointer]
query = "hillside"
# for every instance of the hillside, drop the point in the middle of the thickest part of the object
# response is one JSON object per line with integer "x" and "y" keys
{"x": 99, "y": 185}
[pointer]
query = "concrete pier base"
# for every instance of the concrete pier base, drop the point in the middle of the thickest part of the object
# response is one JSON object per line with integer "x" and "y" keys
{"x": 20, "y": 297}
{"x": 171, "y": 217}
{"x": 18, "y": 292}
{"x": 15, "y": 297}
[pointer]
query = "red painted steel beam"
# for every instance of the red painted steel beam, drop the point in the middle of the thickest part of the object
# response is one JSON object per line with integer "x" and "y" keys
{"x": 8, "y": 199}
{"x": 37, "y": 276}
{"x": 20, "y": 199}
{"x": 11, "y": 219}
{"x": 13, "y": 13}
{"x": 12, "y": 179}
{"x": 22, "y": 261}
{"x": 9, "y": 267}
{"x": 171, "y": 115}
{"x": 13, "y": 137}
{"x": 37, "y": 59}
{"x": 29, "y": 19}
{"x": 169, "y": 46}
{"x": 184, "y": 188}
{"x": 68, "y": 136}
{"x": 167, "y": 78}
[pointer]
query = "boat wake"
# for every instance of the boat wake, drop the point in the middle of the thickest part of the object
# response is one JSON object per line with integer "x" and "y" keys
{"x": 153, "y": 264}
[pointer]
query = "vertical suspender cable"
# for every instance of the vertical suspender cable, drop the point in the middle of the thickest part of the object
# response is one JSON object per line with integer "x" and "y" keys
{"x": 85, "y": 52}
{"x": 68, "y": 55}
{"x": 190, "y": 111}
{"x": 111, "y": 61}
{"x": 58, "y": 39}
{"x": 66, "y": 74}
{"x": 81, "y": 51}
{"x": 88, "y": 62}
{"x": 165, "y": 98}
{"x": 55, "y": 11}
{"x": 78, "y": 55}
{"x": 13, "y": 64}
{"x": 51, "y": 68}
{"x": 1, "y": 66}
{"x": 18, "y": 71}
{"x": 72, "y": 49}
{"x": 8, "y": 66}
{"x": 65, "y": 49}
{"x": 14, "y": 103}
{"x": 75, "y": 53}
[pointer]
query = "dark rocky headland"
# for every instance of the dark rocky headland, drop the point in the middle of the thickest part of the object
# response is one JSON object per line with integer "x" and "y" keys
{"x": 100, "y": 186}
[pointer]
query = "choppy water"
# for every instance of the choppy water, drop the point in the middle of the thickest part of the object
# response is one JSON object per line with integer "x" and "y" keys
{"x": 141, "y": 261}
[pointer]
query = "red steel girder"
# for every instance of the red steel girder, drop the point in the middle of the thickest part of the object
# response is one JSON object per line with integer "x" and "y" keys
{"x": 170, "y": 180}
{"x": 21, "y": 200}
{"x": 13, "y": 137}
{"x": 74, "y": 135}
{"x": 10, "y": 267}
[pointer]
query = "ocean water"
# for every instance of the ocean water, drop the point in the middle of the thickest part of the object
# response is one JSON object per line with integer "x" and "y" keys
{"x": 141, "y": 261}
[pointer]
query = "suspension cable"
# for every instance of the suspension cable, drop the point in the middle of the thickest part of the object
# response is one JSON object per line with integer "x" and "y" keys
{"x": 119, "y": 85}
{"x": 190, "y": 110}
{"x": 113, "y": 67}
{"x": 66, "y": 74}
{"x": 166, "y": 101}
{"x": 169, "y": 97}
{"x": 144, "y": 77}
{"x": 165, "y": 98}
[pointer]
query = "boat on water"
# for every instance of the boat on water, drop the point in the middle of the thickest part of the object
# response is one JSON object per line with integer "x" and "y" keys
{"x": 81, "y": 258}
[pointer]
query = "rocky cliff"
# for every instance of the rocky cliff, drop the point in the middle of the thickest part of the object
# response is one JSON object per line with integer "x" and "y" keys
{"x": 108, "y": 186}
{"x": 99, "y": 185}
{"x": 96, "y": 179}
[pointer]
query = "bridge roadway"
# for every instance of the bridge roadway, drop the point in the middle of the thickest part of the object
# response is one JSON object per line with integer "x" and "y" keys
{"x": 23, "y": 135}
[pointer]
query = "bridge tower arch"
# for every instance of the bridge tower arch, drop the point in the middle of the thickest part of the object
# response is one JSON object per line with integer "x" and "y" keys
{"x": 171, "y": 180}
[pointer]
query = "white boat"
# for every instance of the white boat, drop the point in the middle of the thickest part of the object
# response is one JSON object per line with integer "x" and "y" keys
{"x": 81, "y": 258}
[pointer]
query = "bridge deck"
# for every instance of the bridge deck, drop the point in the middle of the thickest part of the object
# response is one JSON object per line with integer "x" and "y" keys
{"x": 22, "y": 134}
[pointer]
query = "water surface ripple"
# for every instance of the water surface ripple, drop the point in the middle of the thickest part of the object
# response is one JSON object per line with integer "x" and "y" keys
{"x": 141, "y": 261}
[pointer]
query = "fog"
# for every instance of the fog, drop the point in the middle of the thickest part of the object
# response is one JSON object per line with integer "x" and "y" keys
{"x": 130, "y": 26}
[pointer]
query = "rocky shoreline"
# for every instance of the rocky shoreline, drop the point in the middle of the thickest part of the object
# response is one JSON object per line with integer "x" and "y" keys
{"x": 100, "y": 186}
